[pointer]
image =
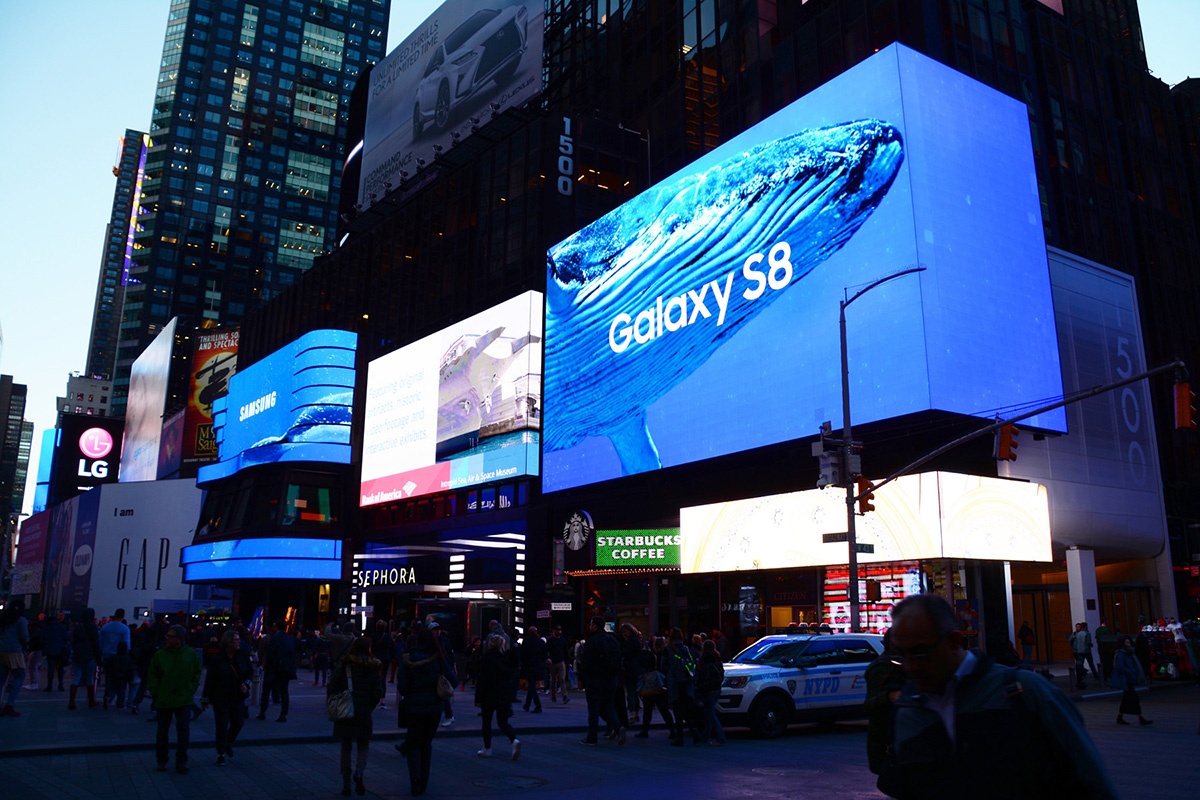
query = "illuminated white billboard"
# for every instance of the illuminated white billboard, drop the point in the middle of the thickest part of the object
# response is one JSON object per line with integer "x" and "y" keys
{"x": 467, "y": 61}
{"x": 144, "y": 408}
{"x": 926, "y": 516}
{"x": 458, "y": 408}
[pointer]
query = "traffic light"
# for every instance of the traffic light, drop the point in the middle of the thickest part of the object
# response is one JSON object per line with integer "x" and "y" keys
{"x": 865, "y": 497}
{"x": 1185, "y": 406}
{"x": 874, "y": 591}
{"x": 1006, "y": 443}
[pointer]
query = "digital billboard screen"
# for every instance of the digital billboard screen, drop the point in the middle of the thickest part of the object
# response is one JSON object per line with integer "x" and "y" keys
{"x": 930, "y": 515}
{"x": 701, "y": 317}
{"x": 214, "y": 362}
{"x": 282, "y": 558}
{"x": 294, "y": 405}
{"x": 144, "y": 408}
{"x": 468, "y": 61}
{"x": 86, "y": 455}
{"x": 458, "y": 408}
{"x": 31, "y": 554}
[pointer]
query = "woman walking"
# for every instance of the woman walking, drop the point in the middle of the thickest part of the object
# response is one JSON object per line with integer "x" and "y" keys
{"x": 1127, "y": 673}
{"x": 226, "y": 688}
{"x": 14, "y": 636}
{"x": 417, "y": 683}
{"x": 363, "y": 675}
{"x": 495, "y": 692}
{"x": 710, "y": 674}
{"x": 654, "y": 691}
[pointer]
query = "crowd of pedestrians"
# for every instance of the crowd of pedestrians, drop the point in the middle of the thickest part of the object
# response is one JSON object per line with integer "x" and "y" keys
{"x": 929, "y": 699}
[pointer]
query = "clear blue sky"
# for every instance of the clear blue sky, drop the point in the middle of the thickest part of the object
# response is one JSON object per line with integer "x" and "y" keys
{"x": 76, "y": 74}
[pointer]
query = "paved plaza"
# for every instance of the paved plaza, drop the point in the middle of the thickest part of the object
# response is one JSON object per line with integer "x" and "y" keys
{"x": 54, "y": 753}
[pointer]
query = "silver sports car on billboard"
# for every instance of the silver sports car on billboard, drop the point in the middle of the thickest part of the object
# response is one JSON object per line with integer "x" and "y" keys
{"x": 488, "y": 46}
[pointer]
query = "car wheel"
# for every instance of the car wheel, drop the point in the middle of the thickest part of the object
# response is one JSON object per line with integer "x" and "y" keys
{"x": 441, "y": 113}
{"x": 769, "y": 717}
{"x": 418, "y": 126}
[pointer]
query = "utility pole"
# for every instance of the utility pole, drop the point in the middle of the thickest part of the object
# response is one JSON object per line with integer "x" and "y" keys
{"x": 847, "y": 448}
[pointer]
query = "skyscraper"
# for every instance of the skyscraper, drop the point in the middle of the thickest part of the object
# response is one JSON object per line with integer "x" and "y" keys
{"x": 239, "y": 188}
{"x": 117, "y": 255}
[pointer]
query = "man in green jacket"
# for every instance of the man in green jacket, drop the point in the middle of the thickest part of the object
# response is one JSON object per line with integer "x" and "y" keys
{"x": 173, "y": 680}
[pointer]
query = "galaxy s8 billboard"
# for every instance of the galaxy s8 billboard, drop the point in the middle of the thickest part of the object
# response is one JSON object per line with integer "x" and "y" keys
{"x": 701, "y": 317}
{"x": 294, "y": 405}
{"x": 458, "y": 408}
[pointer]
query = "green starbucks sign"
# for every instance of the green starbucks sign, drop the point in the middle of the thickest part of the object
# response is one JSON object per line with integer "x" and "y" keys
{"x": 657, "y": 547}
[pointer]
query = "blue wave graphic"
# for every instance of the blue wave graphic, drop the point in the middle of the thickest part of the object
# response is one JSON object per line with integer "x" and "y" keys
{"x": 666, "y": 259}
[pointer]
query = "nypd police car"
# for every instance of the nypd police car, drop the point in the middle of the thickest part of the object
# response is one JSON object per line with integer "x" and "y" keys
{"x": 790, "y": 678}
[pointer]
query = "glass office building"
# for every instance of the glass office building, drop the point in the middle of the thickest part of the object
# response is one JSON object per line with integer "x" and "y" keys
{"x": 240, "y": 178}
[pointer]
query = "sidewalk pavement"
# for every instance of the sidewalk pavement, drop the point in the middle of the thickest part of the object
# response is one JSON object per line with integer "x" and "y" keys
{"x": 46, "y": 727}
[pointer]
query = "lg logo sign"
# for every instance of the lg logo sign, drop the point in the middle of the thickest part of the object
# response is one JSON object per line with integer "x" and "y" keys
{"x": 95, "y": 444}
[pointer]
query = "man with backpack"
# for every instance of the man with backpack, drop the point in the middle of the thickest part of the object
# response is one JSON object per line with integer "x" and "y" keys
{"x": 962, "y": 720}
{"x": 598, "y": 668}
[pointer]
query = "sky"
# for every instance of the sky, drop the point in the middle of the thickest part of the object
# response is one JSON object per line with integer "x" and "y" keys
{"x": 76, "y": 74}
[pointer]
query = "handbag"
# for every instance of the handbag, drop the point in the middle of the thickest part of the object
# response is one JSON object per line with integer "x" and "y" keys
{"x": 445, "y": 689}
{"x": 651, "y": 683}
{"x": 340, "y": 705}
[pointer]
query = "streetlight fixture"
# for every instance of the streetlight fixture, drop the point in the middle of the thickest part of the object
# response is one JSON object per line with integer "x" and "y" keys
{"x": 847, "y": 448}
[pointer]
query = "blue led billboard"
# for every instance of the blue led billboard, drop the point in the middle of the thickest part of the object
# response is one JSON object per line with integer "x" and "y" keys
{"x": 701, "y": 317}
{"x": 294, "y": 405}
{"x": 300, "y": 559}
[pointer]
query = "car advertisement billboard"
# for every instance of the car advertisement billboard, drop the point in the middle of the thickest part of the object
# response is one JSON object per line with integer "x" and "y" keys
{"x": 31, "y": 554}
{"x": 214, "y": 362}
{"x": 701, "y": 317}
{"x": 294, "y": 405}
{"x": 144, "y": 409}
{"x": 458, "y": 408}
{"x": 923, "y": 516}
{"x": 467, "y": 62}
{"x": 86, "y": 455}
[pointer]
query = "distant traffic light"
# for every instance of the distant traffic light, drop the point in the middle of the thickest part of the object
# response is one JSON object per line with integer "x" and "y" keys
{"x": 1185, "y": 406}
{"x": 1006, "y": 443}
{"x": 865, "y": 496}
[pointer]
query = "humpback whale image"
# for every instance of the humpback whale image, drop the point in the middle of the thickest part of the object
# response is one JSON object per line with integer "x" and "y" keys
{"x": 638, "y": 300}
{"x": 325, "y": 422}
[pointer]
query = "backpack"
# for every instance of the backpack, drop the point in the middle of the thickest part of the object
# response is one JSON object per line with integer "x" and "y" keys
{"x": 682, "y": 667}
{"x": 610, "y": 656}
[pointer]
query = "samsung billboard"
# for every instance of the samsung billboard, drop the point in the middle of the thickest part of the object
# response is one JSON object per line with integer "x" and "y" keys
{"x": 294, "y": 405}
{"x": 458, "y": 408}
{"x": 701, "y": 317}
{"x": 467, "y": 62}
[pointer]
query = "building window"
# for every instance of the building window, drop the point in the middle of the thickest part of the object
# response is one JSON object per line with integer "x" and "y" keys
{"x": 322, "y": 46}
{"x": 308, "y": 176}
{"x": 299, "y": 243}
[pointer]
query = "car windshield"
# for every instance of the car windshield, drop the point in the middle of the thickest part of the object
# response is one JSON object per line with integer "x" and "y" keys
{"x": 469, "y": 28}
{"x": 771, "y": 652}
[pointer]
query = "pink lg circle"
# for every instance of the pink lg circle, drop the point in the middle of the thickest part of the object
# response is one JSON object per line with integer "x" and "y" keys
{"x": 96, "y": 443}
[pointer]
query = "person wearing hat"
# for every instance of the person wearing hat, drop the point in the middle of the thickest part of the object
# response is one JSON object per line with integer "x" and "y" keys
{"x": 173, "y": 680}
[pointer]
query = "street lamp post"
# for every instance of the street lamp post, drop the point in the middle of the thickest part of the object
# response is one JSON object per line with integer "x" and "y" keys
{"x": 848, "y": 447}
